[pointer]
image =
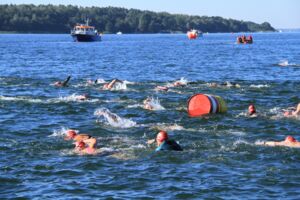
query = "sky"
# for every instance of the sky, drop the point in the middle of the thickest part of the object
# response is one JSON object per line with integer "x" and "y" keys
{"x": 279, "y": 13}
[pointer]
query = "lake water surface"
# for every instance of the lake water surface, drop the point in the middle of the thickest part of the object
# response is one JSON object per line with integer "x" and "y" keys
{"x": 221, "y": 158}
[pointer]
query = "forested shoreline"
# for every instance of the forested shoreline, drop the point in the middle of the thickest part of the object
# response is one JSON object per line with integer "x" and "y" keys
{"x": 29, "y": 18}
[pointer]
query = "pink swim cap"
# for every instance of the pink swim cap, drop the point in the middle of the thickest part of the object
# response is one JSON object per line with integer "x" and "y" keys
{"x": 161, "y": 136}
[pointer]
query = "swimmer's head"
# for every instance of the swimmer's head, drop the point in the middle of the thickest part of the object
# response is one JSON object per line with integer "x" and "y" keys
{"x": 251, "y": 109}
{"x": 161, "y": 137}
{"x": 80, "y": 145}
{"x": 290, "y": 139}
{"x": 70, "y": 134}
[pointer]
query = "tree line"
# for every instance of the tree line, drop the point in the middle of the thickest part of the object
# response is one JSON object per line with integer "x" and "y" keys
{"x": 61, "y": 18}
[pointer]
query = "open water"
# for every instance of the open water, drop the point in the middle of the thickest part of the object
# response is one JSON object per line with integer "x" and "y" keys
{"x": 221, "y": 157}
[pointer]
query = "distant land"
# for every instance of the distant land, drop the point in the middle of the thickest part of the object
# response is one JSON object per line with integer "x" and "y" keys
{"x": 29, "y": 18}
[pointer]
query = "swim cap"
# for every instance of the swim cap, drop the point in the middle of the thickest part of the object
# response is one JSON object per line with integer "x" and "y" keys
{"x": 81, "y": 145}
{"x": 290, "y": 139}
{"x": 161, "y": 136}
{"x": 71, "y": 134}
{"x": 251, "y": 109}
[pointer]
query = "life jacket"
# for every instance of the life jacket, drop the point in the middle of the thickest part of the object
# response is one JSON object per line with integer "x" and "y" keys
{"x": 169, "y": 145}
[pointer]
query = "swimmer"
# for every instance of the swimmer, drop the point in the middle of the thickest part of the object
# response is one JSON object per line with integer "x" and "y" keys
{"x": 109, "y": 86}
{"x": 91, "y": 82}
{"x": 147, "y": 104}
{"x": 72, "y": 135}
{"x": 293, "y": 113}
{"x": 82, "y": 97}
{"x": 163, "y": 142}
{"x": 162, "y": 88}
{"x": 86, "y": 147}
{"x": 64, "y": 83}
{"x": 179, "y": 83}
{"x": 288, "y": 142}
{"x": 108, "y": 114}
{"x": 251, "y": 110}
{"x": 228, "y": 84}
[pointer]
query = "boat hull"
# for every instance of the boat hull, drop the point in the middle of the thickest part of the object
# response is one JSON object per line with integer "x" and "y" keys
{"x": 86, "y": 38}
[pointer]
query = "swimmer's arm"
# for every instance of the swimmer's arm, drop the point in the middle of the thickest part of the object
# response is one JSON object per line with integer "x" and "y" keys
{"x": 81, "y": 137}
{"x": 66, "y": 81}
{"x": 111, "y": 84}
{"x": 151, "y": 141}
{"x": 273, "y": 144}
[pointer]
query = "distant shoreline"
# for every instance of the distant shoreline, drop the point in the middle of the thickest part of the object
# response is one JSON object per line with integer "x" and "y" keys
{"x": 29, "y": 18}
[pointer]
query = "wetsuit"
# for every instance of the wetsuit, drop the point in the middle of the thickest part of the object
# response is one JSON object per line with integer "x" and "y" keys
{"x": 169, "y": 145}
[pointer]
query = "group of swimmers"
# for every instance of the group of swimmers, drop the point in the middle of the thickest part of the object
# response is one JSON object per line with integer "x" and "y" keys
{"x": 86, "y": 144}
{"x": 289, "y": 141}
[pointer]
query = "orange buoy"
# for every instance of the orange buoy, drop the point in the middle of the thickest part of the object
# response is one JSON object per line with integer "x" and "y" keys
{"x": 193, "y": 34}
{"x": 203, "y": 104}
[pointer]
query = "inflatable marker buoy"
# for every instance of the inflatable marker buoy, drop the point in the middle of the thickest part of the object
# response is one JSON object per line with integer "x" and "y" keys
{"x": 193, "y": 34}
{"x": 203, "y": 104}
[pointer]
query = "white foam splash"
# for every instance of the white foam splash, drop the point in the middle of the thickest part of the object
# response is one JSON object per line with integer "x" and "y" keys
{"x": 154, "y": 103}
{"x": 129, "y": 82}
{"x": 260, "y": 86}
{"x": 113, "y": 119}
{"x": 61, "y": 132}
{"x": 119, "y": 86}
{"x": 283, "y": 63}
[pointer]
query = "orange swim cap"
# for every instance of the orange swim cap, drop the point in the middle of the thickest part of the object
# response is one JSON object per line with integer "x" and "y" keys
{"x": 290, "y": 139}
{"x": 161, "y": 136}
{"x": 71, "y": 134}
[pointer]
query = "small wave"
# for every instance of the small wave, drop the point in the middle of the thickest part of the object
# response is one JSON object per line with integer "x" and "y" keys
{"x": 113, "y": 119}
{"x": 168, "y": 127}
{"x": 135, "y": 106}
{"x": 26, "y": 99}
{"x": 259, "y": 86}
{"x": 236, "y": 133}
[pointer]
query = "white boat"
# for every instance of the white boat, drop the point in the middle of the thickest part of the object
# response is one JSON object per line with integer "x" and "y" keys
{"x": 85, "y": 33}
